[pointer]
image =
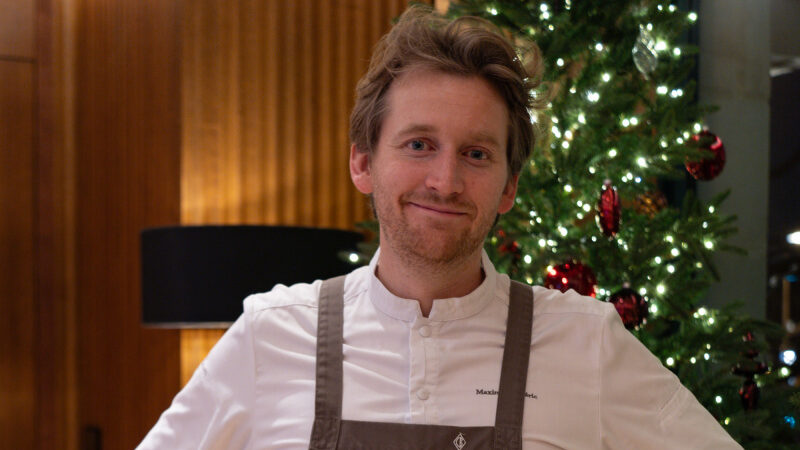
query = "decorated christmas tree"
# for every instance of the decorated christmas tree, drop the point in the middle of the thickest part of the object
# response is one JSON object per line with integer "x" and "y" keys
{"x": 605, "y": 208}
{"x": 606, "y": 205}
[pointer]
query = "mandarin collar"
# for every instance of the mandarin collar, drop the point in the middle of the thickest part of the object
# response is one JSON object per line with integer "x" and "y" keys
{"x": 443, "y": 310}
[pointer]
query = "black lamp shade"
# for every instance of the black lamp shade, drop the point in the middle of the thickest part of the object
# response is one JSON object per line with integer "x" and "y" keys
{"x": 197, "y": 276}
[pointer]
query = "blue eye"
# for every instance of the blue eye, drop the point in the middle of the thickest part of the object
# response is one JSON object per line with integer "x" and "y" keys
{"x": 416, "y": 144}
{"x": 477, "y": 154}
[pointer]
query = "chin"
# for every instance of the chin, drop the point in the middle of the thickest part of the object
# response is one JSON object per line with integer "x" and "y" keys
{"x": 439, "y": 249}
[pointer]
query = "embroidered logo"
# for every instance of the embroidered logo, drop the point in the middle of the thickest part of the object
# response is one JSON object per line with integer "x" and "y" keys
{"x": 459, "y": 441}
{"x": 496, "y": 392}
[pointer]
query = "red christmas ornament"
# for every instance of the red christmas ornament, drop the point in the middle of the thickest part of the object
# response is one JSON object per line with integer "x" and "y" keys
{"x": 572, "y": 275}
{"x": 749, "y": 393}
{"x": 709, "y": 168}
{"x": 608, "y": 209}
{"x": 631, "y": 307}
{"x": 748, "y": 368}
{"x": 506, "y": 244}
{"x": 509, "y": 246}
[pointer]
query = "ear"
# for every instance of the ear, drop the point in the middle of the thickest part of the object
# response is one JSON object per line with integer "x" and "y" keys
{"x": 509, "y": 193}
{"x": 360, "y": 170}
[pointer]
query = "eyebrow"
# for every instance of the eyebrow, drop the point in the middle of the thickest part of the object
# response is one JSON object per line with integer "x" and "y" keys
{"x": 415, "y": 128}
{"x": 477, "y": 135}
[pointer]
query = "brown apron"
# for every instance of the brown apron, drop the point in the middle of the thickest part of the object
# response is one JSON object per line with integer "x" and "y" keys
{"x": 331, "y": 432}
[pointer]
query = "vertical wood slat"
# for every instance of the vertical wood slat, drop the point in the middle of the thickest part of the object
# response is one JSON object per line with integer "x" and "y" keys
{"x": 271, "y": 105}
{"x": 344, "y": 39}
{"x": 288, "y": 115}
{"x": 253, "y": 34}
{"x": 265, "y": 113}
{"x": 306, "y": 135}
{"x": 17, "y": 224}
{"x": 360, "y": 54}
{"x": 324, "y": 63}
{"x": 17, "y": 29}
{"x": 211, "y": 121}
{"x": 127, "y": 172}
{"x": 266, "y": 140}
{"x": 57, "y": 331}
{"x": 17, "y": 307}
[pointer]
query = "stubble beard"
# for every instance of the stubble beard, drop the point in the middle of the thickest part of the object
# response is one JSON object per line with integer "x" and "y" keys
{"x": 429, "y": 246}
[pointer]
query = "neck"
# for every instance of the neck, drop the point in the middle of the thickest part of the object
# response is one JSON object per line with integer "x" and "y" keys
{"x": 425, "y": 281}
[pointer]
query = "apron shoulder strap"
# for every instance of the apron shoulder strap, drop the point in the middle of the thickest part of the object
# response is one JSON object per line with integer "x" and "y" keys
{"x": 328, "y": 391}
{"x": 514, "y": 373}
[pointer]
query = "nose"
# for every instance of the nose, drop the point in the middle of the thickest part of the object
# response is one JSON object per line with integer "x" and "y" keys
{"x": 445, "y": 175}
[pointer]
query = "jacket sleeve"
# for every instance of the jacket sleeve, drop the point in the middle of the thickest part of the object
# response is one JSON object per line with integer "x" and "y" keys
{"x": 643, "y": 405}
{"x": 214, "y": 409}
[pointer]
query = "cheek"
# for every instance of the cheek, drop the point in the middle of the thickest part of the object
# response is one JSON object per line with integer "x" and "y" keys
{"x": 398, "y": 176}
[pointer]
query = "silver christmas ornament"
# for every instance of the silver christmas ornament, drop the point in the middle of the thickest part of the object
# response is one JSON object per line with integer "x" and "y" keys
{"x": 644, "y": 52}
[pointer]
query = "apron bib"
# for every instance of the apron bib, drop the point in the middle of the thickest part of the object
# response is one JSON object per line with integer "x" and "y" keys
{"x": 331, "y": 432}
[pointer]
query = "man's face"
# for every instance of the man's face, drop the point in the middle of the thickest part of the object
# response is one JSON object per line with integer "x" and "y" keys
{"x": 439, "y": 174}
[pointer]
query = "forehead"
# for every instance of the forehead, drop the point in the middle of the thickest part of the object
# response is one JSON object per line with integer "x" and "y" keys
{"x": 468, "y": 105}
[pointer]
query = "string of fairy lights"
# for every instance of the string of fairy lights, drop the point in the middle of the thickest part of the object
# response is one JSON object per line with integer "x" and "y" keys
{"x": 593, "y": 96}
{"x": 566, "y": 123}
{"x": 563, "y": 131}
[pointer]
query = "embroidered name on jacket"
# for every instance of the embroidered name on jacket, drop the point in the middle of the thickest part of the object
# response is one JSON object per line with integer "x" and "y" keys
{"x": 495, "y": 392}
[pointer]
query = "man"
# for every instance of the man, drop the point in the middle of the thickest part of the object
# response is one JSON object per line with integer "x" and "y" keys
{"x": 428, "y": 346}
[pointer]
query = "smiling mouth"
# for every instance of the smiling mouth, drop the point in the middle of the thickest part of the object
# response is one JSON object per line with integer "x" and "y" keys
{"x": 438, "y": 209}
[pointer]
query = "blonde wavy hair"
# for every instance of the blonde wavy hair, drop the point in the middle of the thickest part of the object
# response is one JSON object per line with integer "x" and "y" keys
{"x": 467, "y": 46}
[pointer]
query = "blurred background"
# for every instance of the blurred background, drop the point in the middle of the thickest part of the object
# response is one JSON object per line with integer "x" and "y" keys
{"x": 117, "y": 115}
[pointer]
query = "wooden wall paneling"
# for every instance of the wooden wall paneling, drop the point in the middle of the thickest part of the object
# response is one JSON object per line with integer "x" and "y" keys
{"x": 17, "y": 307}
{"x": 288, "y": 119}
{"x": 253, "y": 80}
{"x": 363, "y": 21}
{"x": 269, "y": 54}
{"x": 345, "y": 39}
{"x": 56, "y": 353}
{"x": 17, "y": 29}
{"x": 233, "y": 113}
{"x": 268, "y": 111}
{"x": 323, "y": 114}
{"x": 127, "y": 171}
{"x": 211, "y": 119}
{"x": 214, "y": 150}
{"x": 17, "y": 225}
{"x": 265, "y": 113}
{"x": 307, "y": 126}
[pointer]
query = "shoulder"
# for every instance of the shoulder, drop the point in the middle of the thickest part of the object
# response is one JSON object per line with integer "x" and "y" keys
{"x": 303, "y": 295}
{"x": 570, "y": 320}
{"x": 558, "y": 309}
{"x": 283, "y": 321}
{"x": 553, "y": 301}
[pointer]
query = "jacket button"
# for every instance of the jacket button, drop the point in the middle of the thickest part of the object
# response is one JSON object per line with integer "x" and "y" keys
{"x": 425, "y": 331}
{"x": 423, "y": 394}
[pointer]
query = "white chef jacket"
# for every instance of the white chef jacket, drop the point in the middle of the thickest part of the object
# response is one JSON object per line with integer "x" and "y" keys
{"x": 591, "y": 384}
